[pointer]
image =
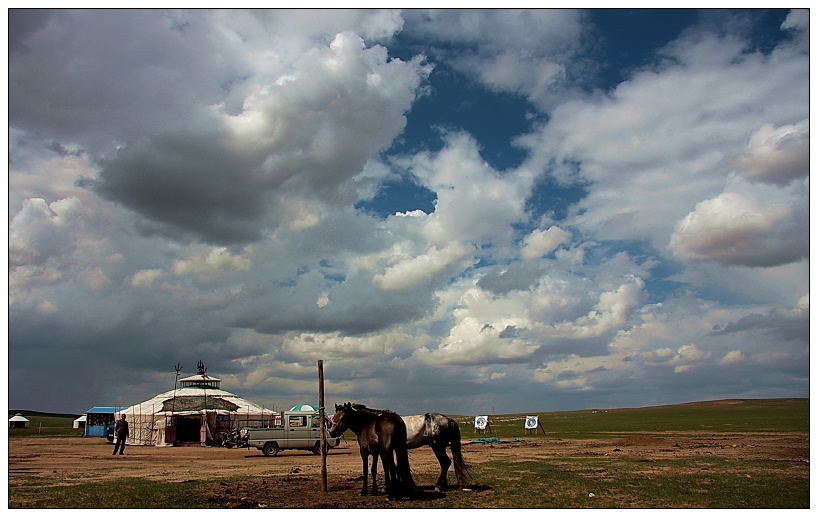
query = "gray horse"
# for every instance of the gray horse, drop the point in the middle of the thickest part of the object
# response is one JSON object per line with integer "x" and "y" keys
{"x": 438, "y": 431}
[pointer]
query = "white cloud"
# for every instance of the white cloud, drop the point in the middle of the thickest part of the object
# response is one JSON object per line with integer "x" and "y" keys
{"x": 666, "y": 139}
{"x": 46, "y": 306}
{"x": 513, "y": 50}
{"x": 777, "y": 155}
{"x": 475, "y": 204}
{"x": 40, "y": 231}
{"x": 732, "y": 229}
{"x": 218, "y": 259}
{"x": 689, "y": 353}
{"x": 611, "y": 312}
{"x": 146, "y": 277}
{"x": 416, "y": 269}
{"x": 732, "y": 357}
{"x": 540, "y": 243}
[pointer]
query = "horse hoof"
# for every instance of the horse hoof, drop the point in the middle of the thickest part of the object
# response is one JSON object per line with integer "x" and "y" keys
{"x": 437, "y": 489}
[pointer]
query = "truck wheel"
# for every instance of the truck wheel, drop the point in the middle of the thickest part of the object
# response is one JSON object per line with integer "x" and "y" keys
{"x": 270, "y": 449}
{"x": 316, "y": 449}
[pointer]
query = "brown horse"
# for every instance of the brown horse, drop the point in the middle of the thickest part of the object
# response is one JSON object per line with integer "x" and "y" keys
{"x": 380, "y": 433}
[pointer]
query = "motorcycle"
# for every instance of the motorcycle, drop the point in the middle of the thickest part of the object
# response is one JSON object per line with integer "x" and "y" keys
{"x": 230, "y": 439}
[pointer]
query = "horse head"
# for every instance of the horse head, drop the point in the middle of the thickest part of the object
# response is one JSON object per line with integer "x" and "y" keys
{"x": 340, "y": 421}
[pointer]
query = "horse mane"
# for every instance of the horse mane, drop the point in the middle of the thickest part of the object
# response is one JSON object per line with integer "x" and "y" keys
{"x": 372, "y": 411}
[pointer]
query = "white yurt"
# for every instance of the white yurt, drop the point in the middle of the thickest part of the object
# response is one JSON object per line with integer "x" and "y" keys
{"x": 79, "y": 423}
{"x": 18, "y": 421}
{"x": 195, "y": 412}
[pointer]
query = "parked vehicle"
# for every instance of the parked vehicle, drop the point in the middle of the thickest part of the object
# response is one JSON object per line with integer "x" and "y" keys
{"x": 300, "y": 430}
{"x": 230, "y": 439}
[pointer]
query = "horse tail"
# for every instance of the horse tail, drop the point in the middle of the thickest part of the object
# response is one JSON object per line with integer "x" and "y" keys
{"x": 404, "y": 470}
{"x": 461, "y": 468}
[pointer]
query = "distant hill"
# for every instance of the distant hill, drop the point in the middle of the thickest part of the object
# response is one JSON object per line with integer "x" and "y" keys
{"x": 704, "y": 403}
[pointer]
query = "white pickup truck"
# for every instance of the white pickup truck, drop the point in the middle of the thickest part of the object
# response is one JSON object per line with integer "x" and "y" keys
{"x": 298, "y": 430}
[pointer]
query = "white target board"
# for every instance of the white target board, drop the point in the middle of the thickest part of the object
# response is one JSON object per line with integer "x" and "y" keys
{"x": 480, "y": 422}
{"x": 531, "y": 422}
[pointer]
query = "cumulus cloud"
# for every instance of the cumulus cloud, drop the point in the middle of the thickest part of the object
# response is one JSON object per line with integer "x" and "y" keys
{"x": 734, "y": 230}
{"x": 542, "y": 242}
{"x": 611, "y": 312}
{"x": 219, "y": 259}
{"x": 475, "y": 203}
{"x": 413, "y": 270}
{"x": 146, "y": 277}
{"x": 732, "y": 357}
{"x": 777, "y": 155}
{"x": 660, "y": 143}
{"x": 307, "y": 133}
{"x": 40, "y": 231}
{"x": 186, "y": 185}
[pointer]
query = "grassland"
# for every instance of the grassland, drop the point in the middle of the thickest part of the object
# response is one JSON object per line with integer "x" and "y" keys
{"x": 745, "y": 415}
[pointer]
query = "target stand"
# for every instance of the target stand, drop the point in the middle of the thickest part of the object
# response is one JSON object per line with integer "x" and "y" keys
{"x": 481, "y": 424}
{"x": 532, "y": 425}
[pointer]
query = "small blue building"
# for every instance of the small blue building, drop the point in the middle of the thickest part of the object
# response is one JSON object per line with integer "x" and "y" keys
{"x": 98, "y": 418}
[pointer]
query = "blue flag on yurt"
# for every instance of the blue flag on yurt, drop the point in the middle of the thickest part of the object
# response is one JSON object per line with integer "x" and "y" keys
{"x": 531, "y": 422}
{"x": 480, "y": 422}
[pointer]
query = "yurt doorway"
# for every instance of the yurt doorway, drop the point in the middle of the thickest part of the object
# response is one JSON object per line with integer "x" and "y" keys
{"x": 188, "y": 429}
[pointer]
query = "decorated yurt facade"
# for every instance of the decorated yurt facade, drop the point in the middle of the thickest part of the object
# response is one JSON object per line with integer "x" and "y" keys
{"x": 195, "y": 412}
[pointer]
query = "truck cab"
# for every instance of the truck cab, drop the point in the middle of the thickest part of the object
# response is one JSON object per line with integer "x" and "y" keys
{"x": 299, "y": 430}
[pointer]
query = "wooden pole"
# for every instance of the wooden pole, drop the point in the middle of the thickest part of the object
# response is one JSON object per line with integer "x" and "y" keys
{"x": 323, "y": 426}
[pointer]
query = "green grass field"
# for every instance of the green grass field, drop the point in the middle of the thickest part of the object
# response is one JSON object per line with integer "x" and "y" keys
{"x": 760, "y": 415}
{"x": 746, "y": 415}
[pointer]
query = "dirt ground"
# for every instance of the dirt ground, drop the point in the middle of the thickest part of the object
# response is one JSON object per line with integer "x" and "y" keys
{"x": 285, "y": 480}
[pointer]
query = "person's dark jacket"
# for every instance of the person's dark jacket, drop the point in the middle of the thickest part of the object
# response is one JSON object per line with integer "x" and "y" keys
{"x": 121, "y": 428}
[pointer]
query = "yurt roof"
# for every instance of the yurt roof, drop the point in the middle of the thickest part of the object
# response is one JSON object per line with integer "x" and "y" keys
{"x": 200, "y": 377}
{"x": 18, "y": 418}
{"x": 83, "y": 418}
{"x": 186, "y": 400}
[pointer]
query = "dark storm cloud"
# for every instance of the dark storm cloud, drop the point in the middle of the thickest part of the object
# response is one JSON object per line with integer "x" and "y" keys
{"x": 790, "y": 326}
{"x": 23, "y": 23}
{"x": 192, "y": 183}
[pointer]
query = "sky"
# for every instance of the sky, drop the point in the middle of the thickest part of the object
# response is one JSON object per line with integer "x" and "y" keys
{"x": 464, "y": 211}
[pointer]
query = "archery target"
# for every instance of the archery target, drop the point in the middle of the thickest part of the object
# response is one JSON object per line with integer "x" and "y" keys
{"x": 531, "y": 422}
{"x": 480, "y": 422}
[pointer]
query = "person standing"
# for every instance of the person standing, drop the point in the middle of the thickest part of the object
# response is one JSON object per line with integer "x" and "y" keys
{"x": 121, "y": 432}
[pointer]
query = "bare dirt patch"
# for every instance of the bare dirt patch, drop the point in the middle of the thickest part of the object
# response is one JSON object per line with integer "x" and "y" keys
{"x": 246, "y": 478}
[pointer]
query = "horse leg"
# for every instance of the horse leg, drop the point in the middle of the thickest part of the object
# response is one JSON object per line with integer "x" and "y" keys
{"x": 365, "y": 458}
{"x": 389, "y": 474}
{"x": 374, "y": 475}
{"x": 443, "y": 481}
